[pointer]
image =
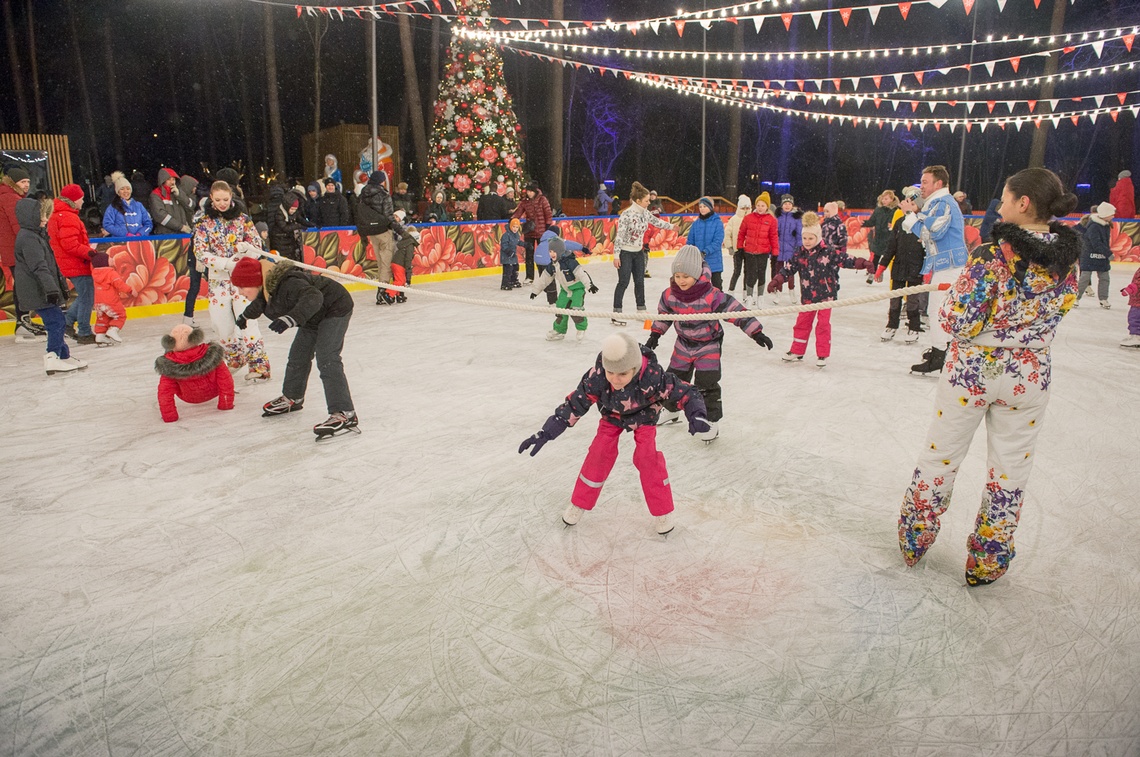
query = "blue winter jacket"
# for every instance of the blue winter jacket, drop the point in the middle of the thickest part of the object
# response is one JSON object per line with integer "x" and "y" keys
{"x": 1096, "y": 255}
{"x": 707, "y": 235}
{"x": 941, "y": 228}
{"x": 542, "y": 249}
{"x": 509, "y": 247}
{"x": 790, "y": 230}
{"x": 135, "y": 222}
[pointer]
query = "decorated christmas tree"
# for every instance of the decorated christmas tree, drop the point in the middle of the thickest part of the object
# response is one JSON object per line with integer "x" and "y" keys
{"x": 474, "y": 142}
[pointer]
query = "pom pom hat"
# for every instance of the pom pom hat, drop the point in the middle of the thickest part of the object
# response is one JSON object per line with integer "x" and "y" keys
{"x": 811, "y": 225}
{"x": 620, "y": 353}
{"x": 744, "y": 201}
{"x": 689, "y": 262}
{"x": 247, "y": 273}
{"x": 764, "y": 198}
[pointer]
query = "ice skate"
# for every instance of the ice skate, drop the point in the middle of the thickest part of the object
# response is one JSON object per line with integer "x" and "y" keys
{"x": 708, "y": 436}
{"x": 103, "y": 340}
{"x": 336, "y": 425}
{"x": 572, "y": 515}
{"x": 115, "y": 335}
{"x": 774, "y": 298}
{"x": 554, "y": 336}
{"x": 669, "y": 417}
{"x": 29, "y": 325}
{"x": 506, "y": 287}
{"x": 401, "y": 298}
{"x": 54, "y": 364}
{"x": 516, "y": 285}
{"x": 933, "y": 360}
{"x": 791, "y": 357}
{"x": 911, "y": 336}
{"x": 26, "y": 336}
{"x": 888, "y": 335}
{"x": 580, "y": 337}
{"x": 189, "y": 321}
{"x": 1131, "y": 341}
{"x": 664, "y": 523}
{"x": 281, "y": 406}
{"x": 383, "y": 298}
{"x": 821, "y": 362}
{"x": 616, "y": 322}
{"x": 256, "y": 378}
{"x": 870, "y": 279}
{"x": 1106, "y": 304}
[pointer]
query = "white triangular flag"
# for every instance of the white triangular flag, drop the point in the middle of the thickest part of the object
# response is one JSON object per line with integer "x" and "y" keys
{"x": 859, "y": 100}
{"x": 1053, "y": 104}
{"x": 566, "y": 25}
{"x": 898, "y": 80}
{"x": 1098, "y": 99}
{"x": 706, "y": 24}
{"x": 757, "y": 21}
{"x": 894, "y": 104}
{"x": 945, "y": 71}
{"x": 1000, "y": 5}
{"x": 989, "y": 67}
{"x": 874, "y": 11}
{"x": 524, "y": 23}
{"x": 654, "y": 25}
{"x": 983, "y": 125}
{"x": 1098, "y": 46}
{"x": 855, "y": 85}
{"x": 938, "y": 3}
{"x": 1056, "y": 121}
{"x": 815, "y": 17}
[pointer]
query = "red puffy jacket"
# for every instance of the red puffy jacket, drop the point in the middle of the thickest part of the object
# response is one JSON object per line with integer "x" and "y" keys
{"x": 197, "y": 374}
{"x": 9, "y": 227}
{"x": 69, "y": 242}
{"x": 759, "y": 234}
{"x": 1123, "y": 197}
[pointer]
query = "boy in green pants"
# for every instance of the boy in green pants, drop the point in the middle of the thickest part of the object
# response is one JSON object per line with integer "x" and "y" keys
{"x": 571, "y": 290}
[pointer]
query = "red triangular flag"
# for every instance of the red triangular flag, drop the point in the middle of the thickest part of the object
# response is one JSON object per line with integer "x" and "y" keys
{"x": 807, "y": 96}
{"x": 1067, "y": 50}
{"x": 735, "y": 20}
{"x": 546, "y": 23}
{"x": 1114, "y": 114}
{"x": 299, "y": 15}
{"x": 1032, "y": 105}
{"x": 908, "y": 124}
{"x": 1015, "y": 62}
{"x": 990, "y": 104}
{"x": 878, "y": 80}
{"x": 1127, "y": 39}
{"x": 845, "y": 14}
{"x": 800, "y": 84}
{"x": 953, "y": 103}
{"x": 439, "y": 9}
{"x": 680, "y": 28}
{"x": 877, "y": 101}
{"x": 918, "y": 75}
{"x": 914, "y": 106}
{"x": 1037, "y": 4}
{"x": 938, "y": 127}
{"x": 881, "y": 126}
{"x": 768, "y": 85}
{"x": 968, "y": 126}
{"x": 1120, "y": 96}
{"x": 1074, "y": 119}
{"x": 836, "y": 82}
{"x": 633, "y": 31}
{"x": 843, "y": 99}
{"x": 969, "y": 5}
{"x": 590, "y": 25}
{"x": 904, "y": 8}
{"x": 787, "y": 18}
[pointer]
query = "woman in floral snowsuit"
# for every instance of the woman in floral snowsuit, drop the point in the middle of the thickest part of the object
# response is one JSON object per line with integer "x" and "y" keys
{"x": 1002, "y": 314}
{"x": 223, "y": 236}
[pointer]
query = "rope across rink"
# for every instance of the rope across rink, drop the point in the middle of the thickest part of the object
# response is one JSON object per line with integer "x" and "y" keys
{"x": 634, "y": 316}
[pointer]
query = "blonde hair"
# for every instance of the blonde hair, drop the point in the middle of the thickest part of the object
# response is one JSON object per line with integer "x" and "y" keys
{"x": 891, "y": 197}
{"x": 47, "y": 206}
{"x": 638, "y": 192}
{"x": 221, "y": 186}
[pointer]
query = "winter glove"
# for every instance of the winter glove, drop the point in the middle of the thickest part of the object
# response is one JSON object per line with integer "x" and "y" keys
{"x": 926, "y": 277}
{"x": 593, "y": 288}
{"x": 282, "y": 324}
{"x": 762, "y": 339}
{"x": 860, "y": 264}
{"x": 698, "y": 424}
{"x": 653, "y": 340}
{"x": 533, "y": 295}
{"x": 247, "y": 250}
{"x": 1129, "y": 290}
{"x": 775, "y": 284}
{"x": 550, "y": 430}
{"x": 54, "y": 298}
{"x": 739, "y": 250}
{"x": 241, "y": 322}
{"x": 879, "y": 273}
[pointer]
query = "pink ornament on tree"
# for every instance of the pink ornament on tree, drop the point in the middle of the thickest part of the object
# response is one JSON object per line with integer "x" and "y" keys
{"x": 464, "y": 125}
{"x": 461, "y": 182}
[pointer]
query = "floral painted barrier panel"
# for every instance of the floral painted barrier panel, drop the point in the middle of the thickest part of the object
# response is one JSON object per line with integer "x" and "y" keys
{"x": 156, "y": 267}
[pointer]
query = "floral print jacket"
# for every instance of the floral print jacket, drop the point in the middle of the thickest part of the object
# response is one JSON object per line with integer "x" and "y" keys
{"x": 1014, "y": 292}
{"x": 216, "y": 237}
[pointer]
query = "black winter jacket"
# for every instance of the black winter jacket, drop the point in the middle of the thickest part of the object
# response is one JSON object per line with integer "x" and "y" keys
{"x": 285, "y": 230}
{"x": 37, "y": 274}
{"x": 905, "y": 251}
{"x": 375, "y": 213}
{"x": 305, "y": 298}
{"x": 332, "y": 210}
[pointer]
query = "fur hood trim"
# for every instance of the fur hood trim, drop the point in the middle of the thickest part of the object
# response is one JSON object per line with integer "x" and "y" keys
{"x": 275, "y": 275}
{"x": 164, "y": 366}
{"x": 230, "y": 213}
{"x": 1058, "y": 256}
{"x": 196, "y": 338}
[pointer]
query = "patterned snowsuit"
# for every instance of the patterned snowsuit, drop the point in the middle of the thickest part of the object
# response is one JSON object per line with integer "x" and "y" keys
{"x": 697, "y": 349}
{"x": 215, "y": 245}
{"x": 1002, "y": 314}
{"x": 635, "y": 407}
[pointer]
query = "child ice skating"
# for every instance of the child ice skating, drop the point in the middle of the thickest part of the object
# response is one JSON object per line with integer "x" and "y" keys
{"x": 509, "y": 245}
{"x": 571, "y": 288}
{"x": 110, "y": 314}
{"x": 320, "y": 309}
{"x": 818, "y": 266}
{"x": 1132, "y": 292}
{"x": 1096, "y": 255}
{"x": 707, "y": 235}
{"x": 904, "y": 255}
{"x": 192, "y": 371}
{"x": 698, "y": 345}
{"x": 628, "y": 386}
{"x": 1002, "y": 314}
{"x": 402, "y": 260}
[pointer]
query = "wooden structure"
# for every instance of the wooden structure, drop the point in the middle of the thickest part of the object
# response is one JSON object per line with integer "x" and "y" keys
{"x": 345, "y": 142}
{"x": 55, "y": 145}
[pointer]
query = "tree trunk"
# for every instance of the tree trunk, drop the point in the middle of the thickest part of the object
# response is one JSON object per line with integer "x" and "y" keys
{"x": 557, "y": 122}
{"x": 113, "y": 92}
{"x": 32, "y": 62}
{"x": 732, "y": 173}
{"x": 412, "y": 92}
{"x": 320, "y": 29}
{"x": 1041, "y": 133}
{"x": 88, "y": 119}
{"x": 278, "y": 137}
{"x": 252, "y": 166}
{"x": 433, "y": 74}
{"x": 17, "y": 74}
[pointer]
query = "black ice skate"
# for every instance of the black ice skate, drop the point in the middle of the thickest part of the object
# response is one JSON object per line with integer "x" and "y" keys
{"x": 281, "y": 406}
{"x": 933, "y": 360}
{"x": 383, "y": 298}
{"x": 336, "y": 425}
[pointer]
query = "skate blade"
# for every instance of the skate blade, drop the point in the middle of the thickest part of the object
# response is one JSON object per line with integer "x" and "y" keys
{"x": 256, "y": 379}
{"x": 321, "y": 436}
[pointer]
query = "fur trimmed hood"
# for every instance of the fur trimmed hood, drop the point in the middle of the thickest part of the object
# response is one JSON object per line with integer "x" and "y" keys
{"x": 1057, "y": 256}
{"x": 274, "y": 275}
{"x": 196, "y": 361}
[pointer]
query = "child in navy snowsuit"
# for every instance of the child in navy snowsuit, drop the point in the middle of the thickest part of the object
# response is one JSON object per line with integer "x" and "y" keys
{"x": 628, "y": 385}
{"x": 698, "y": 342}
{"x": 509, "y": 245}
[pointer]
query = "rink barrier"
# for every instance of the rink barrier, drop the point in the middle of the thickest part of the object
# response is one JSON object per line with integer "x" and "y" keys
{"x": 625, "y": 316}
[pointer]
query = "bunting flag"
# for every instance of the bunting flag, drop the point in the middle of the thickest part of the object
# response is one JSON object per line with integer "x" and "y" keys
{"x": 854, "y": 83}
{"x": 837, "y": 83}
{"x": 1114, "y": 114}
{"x": 878, "y": 81}
{"x": 989, "y": 67}
{"x": 1015, "y": 62}
{"x": 904, "y": 9}
{"x": 873, "y": 12}
{"x": 1120, "y": 96}
{"x": 681, "y": 28}
{"x": 816, "y": 16}
{"x": 1000, "y": 5}
{"x": 968, "y": 5}
{"x": 845, "y": 14}
{"x": 918, "y": 75}
{"x": 1098, "y": 46}
{"x": 1075, "y": 119}
{"x": 990, "y": 104}
{"x": 898, "y": 79}
{"x": 1032, "y": 105}
{"x": 757, "y": 21}
{"x": 787, "y": 19}
{"x": 1127, "y": 39}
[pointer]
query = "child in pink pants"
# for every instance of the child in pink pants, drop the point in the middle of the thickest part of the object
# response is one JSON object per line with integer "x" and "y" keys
{"x": 629, "y": 386}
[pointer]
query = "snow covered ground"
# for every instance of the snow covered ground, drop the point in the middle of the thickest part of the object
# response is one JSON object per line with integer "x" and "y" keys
{"x": 225, "y": 586}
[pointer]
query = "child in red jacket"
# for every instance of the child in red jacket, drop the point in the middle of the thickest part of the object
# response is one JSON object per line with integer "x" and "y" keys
{"x": 110, "y": 315}
{"x": 191, "y": 370}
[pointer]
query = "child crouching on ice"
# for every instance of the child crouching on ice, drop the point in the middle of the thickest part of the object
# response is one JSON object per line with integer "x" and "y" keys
{"x": 818, "y": 266}
{"x": 628, "y": 386}
{"x": 110, "y": 288}
{"x": 571, "y": 289}
{"x": 192, "y": 371}
{"x": 320, "y": 309}
{"x": 698, "y": 342}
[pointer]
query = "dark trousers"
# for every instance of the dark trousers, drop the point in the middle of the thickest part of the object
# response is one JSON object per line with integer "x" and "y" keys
{"x": 755, "y": 267}
{"x": 528, "y": 247}
{"x": 707, "y": 383}
{"x": 716, "y": 280}
{"x": 551, "y": 288}
{"x": 632, "y": 265}
{"x": 325, "y": 341}
{"x": 737, "y": 267}
{"x": 195, "y": 284}
{"x": 912, "y": 306}
{"x": 510, "y": 274}
{"x": 53, "y": 319}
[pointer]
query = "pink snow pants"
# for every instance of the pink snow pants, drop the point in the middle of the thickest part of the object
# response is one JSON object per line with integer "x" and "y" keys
{"x": 600, "y": 461}
{"x": 802, "y": 330}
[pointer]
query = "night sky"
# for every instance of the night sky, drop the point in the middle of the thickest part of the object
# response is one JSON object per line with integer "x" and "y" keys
{"x": 180, "y": 68}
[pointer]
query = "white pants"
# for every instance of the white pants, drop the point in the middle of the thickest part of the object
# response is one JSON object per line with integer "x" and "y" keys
{"x": 241, "y": 347}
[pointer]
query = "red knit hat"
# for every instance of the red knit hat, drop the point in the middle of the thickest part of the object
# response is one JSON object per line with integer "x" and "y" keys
{"x": 247, "y": 273}
{"x": 72, "y": 192}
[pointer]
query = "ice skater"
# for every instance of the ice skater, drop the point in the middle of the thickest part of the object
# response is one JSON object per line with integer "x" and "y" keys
{"x": 697, "y": 349}
{"x": 192, "y": 371}
{"x": 320, "y": 309}
{"x": 818, "y": 266}
{"x": 1002, "y": 314}
{"x": 1132, "y": 292}
{"x": 571, "y": 288}
{"x": 110, "y": 314}
{"x": 629, "y": 257}
{"x": 628, "y": 386}
{"x": 1096, "y": 255}
{"x": 509, "y": 245}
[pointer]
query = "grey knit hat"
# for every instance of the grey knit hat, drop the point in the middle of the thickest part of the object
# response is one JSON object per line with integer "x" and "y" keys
{"x": 1124, "y": 174}
{"x": 689, "y": 262}
{"x": 787, "y": 198}
{"x": 620, "y": 353}
{"x": 557, "y": 248}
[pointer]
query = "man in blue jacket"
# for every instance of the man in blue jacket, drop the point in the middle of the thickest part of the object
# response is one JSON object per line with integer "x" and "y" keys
{"x": 939, "y": 225}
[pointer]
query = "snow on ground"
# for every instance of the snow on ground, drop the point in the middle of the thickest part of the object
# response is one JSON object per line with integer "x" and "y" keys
{"x": 223, "y": 585}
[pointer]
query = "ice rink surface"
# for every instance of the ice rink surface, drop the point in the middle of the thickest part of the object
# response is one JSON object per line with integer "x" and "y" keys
{"x": 225, "y": 586}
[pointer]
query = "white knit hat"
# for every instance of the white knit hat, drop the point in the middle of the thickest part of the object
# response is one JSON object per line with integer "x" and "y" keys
{"x": 620, "y": 353}
{"x": 689, "y": 262}
{"x": 1106, "y": 210}
{"x": 744, "y": 201}
{"x": 811, "y": 225}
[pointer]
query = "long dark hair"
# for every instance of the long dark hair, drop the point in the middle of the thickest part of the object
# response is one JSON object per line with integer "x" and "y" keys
{"x": 1045, "y": 192}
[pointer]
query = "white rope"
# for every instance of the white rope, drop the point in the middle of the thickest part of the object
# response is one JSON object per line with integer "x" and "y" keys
{"x": 635, "y": 316}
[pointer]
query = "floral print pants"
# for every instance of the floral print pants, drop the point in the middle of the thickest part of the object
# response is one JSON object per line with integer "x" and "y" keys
{"x": 1009, "y": 389}
{"x": 241, "y": 347}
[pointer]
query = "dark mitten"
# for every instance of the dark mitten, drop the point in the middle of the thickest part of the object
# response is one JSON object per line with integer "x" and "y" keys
{"x": 862, "y": 264}
{"x": 241, "y": 322}
{"x": 762, "y": 339}
{"x": 550, "y": 430}
{"x": 698, "y": 424}
{"x": 775, "y": 284}
{"x": 282, "y": 324}
{"x": 653, "y": 340}
{"x": 54, "y": 298}
{"x": 533, "y": 295}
